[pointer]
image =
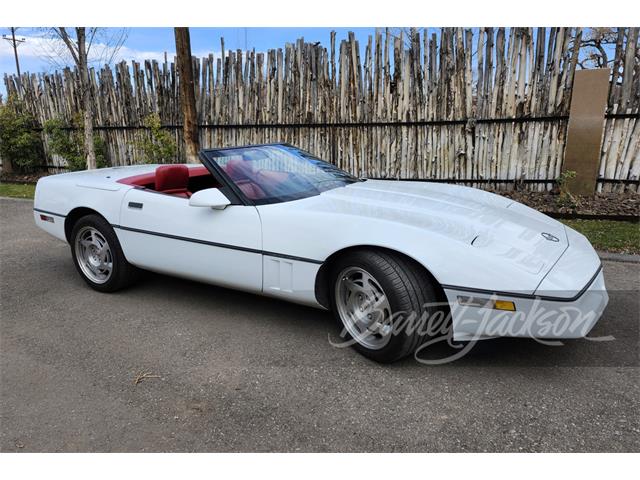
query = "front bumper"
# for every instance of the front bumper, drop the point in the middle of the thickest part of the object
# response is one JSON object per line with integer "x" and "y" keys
{"x": 540, "y": 317}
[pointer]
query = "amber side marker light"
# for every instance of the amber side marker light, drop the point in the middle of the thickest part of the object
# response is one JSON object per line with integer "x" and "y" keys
{"x": 487, "y": 303}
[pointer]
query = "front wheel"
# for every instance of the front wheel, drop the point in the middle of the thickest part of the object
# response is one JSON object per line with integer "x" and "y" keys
{"x": 380, "y": 299}
{"x": 98, "y": 256}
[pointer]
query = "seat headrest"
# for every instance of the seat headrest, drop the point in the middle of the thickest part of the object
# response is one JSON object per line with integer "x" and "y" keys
{"x": 172, "y": 177}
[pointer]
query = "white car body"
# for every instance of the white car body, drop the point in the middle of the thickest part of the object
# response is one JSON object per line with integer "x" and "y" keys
{"x": 471, "y": 241}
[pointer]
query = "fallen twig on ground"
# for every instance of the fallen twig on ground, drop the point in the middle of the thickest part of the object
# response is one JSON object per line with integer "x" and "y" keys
{"x": 142, "y": 375}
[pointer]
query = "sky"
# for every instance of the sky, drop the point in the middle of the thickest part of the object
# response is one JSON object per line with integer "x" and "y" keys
{"x": 151, "y": 43}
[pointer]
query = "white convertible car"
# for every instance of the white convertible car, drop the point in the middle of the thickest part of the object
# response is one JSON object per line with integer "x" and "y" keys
{"x": 383, "y": 255}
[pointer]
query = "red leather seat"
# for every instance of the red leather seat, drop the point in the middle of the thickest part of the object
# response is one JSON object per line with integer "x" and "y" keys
{"x": 243, "y": 174}
{"x": 240, "y": 170}
{"x": 252, "y": 182}
{"x": 251, "y": 190}
{"x": 173, "y": 180}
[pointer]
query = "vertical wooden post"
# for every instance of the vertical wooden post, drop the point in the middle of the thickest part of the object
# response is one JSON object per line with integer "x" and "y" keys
{"x": 586, "y": 126}
{"x": 187, "y": 94}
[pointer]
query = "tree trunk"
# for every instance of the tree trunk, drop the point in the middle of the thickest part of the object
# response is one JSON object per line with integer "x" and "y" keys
{"x": 7, "y": 166}
{"x": 89, "y": 150}
{"x": 187, "y": 94}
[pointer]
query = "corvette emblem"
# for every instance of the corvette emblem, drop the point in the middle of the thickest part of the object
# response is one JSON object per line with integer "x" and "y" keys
{"x": 551, "y": 238}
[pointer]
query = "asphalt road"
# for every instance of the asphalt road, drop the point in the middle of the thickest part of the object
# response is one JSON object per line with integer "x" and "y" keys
{"x": 237, "y": 372}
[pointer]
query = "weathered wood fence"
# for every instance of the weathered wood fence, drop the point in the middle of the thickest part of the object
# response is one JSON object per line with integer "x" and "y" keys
{"x": 487, "y": 105}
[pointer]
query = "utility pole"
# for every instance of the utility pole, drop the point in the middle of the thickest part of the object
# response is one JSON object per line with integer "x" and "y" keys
{"x": 14, "y": 43}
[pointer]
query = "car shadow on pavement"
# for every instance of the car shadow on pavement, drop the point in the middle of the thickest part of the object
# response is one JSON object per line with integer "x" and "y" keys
{"x": 612, "y": 343}
{"x": 193, "y": 292}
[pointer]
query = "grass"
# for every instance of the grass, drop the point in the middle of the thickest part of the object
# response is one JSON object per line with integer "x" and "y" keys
{"x": 621, "y": 237}
{"x": 17, "y": 190}
{"x": 608, "y": 235}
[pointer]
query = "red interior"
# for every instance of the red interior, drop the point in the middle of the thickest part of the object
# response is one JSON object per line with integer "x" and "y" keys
{"x": 252, "y": 181}
{"x": 173, "y": 180}
{"x": 242, "y": 173}
{"x": 182, "y": 181}
{"x": 148, "y": 180}
{"x": 178, "y": 180}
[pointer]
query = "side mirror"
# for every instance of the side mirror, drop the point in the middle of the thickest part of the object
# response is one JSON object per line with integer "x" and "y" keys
{"x": 209, "y": 197}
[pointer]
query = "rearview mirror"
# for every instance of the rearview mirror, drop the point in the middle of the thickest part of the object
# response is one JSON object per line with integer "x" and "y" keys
{"x": 209, "y": 197}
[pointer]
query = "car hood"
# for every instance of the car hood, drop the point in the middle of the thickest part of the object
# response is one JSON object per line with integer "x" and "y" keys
{"x": 492, "y": 224}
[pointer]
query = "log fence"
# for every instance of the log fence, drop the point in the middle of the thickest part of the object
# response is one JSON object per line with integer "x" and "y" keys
{"x": 486, "y": 105}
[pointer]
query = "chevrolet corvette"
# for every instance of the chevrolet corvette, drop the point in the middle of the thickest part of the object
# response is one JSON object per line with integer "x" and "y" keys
{"x": 275, "y": 220}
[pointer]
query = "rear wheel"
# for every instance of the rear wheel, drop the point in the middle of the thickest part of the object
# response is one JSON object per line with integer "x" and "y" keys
{"x": 382, "y": 301}
{"x": 98, "y": 256}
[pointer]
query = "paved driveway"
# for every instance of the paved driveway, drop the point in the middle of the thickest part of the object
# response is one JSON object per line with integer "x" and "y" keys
{"x": 244, "y": 373}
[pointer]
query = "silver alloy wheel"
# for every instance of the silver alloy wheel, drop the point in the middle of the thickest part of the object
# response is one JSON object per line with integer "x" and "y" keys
{"x": 94, "y": 255}
{"x": 363, "y": 308}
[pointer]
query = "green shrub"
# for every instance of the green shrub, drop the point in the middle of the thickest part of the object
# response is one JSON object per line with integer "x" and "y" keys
{"x": 68, "y": 143}
{"x": 159, "y": 146}
{"x": 20, "y": 144}
{"x": 566, "y": 199}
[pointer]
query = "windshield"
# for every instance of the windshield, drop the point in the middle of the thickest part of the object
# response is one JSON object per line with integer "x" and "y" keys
{"x": 279, "y": 173}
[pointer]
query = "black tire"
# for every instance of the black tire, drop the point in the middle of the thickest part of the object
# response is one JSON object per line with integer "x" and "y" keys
{"x": 408, "y": 288}
{"x": 122, "y": 274}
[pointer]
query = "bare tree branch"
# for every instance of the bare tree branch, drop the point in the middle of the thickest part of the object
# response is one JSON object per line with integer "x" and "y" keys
{"x": 117, "y": 43}
{"x": 103, "y": 45}
{"x": 597, "y": 46}
{"x": 62, "y": 33}
{"x": 93, "y": 34}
